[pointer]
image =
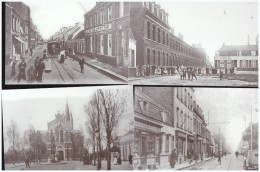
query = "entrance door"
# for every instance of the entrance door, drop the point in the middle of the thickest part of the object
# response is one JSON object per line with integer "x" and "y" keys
{"x": 132, "y": 58}
{"x": 61, "y": 155}
{"x": 143, "y": 151}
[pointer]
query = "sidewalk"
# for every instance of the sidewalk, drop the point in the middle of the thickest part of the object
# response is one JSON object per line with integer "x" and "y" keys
{"x": 106, "y": 68}
{"x": 8, "y": 69}
{"x": 185, "y": 165}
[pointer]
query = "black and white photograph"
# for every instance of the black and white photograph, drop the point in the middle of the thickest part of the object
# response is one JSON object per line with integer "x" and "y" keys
{"x": 68, "y": 128}
{"x": 196, "y": 43}
{"x": 187, "y": 128}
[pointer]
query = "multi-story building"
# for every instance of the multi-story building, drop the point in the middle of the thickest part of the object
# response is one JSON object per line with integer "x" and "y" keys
{"x": 242, "y": 57}
{"x": 154, "y": 131}
{"x": 63, "y": 140}
{"x": 17, "y": 23}
{"x": 128, "y": 34}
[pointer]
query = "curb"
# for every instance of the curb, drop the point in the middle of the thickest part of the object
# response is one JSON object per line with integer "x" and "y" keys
{"x": 194, "y": 164}
{"x": 108, "y": 72}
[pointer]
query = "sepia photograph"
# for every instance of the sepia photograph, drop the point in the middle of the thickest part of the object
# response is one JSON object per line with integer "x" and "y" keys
{"x": 68, "y": 128}
{"x": 139, "y": 43}
{"x": 188, "y": 128}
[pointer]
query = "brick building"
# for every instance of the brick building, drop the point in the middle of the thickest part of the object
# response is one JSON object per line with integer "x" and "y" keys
{"x": 17, "y": 23}
{"x": 62, "y": 138}
{"x": 128, "y": 34}
{"x": 171, "y": 119}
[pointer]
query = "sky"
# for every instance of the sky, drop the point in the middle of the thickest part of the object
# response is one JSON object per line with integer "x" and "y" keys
{"x": 39, "y": 106}
{"x": 223, "y": 105}
{"x": 210, "y": 23}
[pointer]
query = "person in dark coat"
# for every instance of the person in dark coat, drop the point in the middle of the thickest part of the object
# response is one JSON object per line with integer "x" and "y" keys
{"x": 13, "y": 64}
{"x": 31, "y": 50}
{"x": 219, "y": 157}
{"x": 27, "y": 162}
{"x": 41, "y": 68}
{"x": 173, "y": 158}
{"x": 147, "y": 70}
{"x": 193, "y": 74}
{"x": 221, "y": 75}
{"x": 81, "y": 63}
{"x": 119, "y": 161}
{"x": 153, "y": 70}
{"x": 130, "y": 158}
{"x": 36, "y": 64}
{"x": 162, "y": 70}
{"x": 22, "y": 67}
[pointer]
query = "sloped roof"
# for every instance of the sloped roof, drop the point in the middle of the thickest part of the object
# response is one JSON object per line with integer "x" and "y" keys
{"x": 81, "y": 27}
{"x": 154, "y": 109}
{"x": 239, "y": 48}
{"x": 80, "y": 35}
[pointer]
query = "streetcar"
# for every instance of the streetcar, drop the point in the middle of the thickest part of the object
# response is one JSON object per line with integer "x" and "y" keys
{"x": 53, "y": 48}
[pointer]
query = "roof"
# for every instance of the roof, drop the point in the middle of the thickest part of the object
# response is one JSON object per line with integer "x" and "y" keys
{"x": 80, "y": 35}
{"x": 239, "y": 48}
{"x": 154, "y": 109}
{"x": 81, "y": 28}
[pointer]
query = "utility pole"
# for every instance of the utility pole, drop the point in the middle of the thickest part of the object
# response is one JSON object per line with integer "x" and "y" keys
{"x": 251, "y": 131}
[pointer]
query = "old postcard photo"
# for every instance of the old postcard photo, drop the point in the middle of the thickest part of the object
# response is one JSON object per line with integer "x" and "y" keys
{"x": 187, "y": 128}
{"x": 68, "y": 128}
{"x": 146, "y": 43}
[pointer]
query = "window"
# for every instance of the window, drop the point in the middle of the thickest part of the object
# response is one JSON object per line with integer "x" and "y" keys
{"x": 91, "y": 44}
{"x": 145, "y": 107}
{"x": 109, "y": 14}
{"x": 152, "y": 8}
{"x": 155, "y": 11}
{"x": 110, "y": 44}
{"x": 154, "y": 28}
{"x": 154, "y": 57}
{"x": 101, "y": 17}
{"x": 177, "y": 112}
{"x": 163, "y": 58}
{"x": 148, "y": 29}
{"x": 167, "y": 143}
{"x": 101, "y": 44}
{"x": 163, "y": 37}
{"x": 159, "y": 57}
{"x": 148, "y": 56}
{"x": 159, "y": 36}
{"x": 185, "y": 97}
{"x": 13, "y": 26}
{"x": 167, "y": 39}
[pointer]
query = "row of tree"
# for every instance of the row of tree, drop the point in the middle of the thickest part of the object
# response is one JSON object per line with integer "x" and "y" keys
{"x": 30, "y": 143}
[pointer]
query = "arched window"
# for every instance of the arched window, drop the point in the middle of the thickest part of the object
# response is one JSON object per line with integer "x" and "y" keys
{"x": 148, "y": 29}
{"x": 159, "y": 35}
{"x": 163, "y": 34}
{"x": 154, "y": 56}
{"x": 154, "y": 28}
{"x": 159, "y": 58}
{"x": 148, "y": 56}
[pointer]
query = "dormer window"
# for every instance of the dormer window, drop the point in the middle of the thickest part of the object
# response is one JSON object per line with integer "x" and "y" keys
{"x": 144, "y": 106}
{"x": 164, "y": 116}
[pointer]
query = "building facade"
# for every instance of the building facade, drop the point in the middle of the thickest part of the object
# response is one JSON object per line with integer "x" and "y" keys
{"x": 170, "y": 118}
{"x": 63, "y": 140}
{"x": 128, "y": 34}
{"x": 242, "y": 57}
{"x": 17, "y": 23}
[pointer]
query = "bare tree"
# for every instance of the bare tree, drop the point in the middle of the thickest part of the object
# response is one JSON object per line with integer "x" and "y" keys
{"x": 13, "y": 137}
{"x": 112, "y": 106}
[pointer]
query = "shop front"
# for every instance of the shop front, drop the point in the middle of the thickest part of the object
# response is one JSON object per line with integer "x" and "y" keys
{"x": 191, "y": 140}
{"x": 181, "y": 145}
{"x": 147, "y": 144}
{"x": 199, "y": 145}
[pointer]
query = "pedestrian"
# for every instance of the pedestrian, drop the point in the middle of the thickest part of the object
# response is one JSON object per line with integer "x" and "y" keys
{"x": 13, "y": 64}
{"x": 162, "y": 70}
{"x": 147, "y": 70}
{"x": 130, "y": 158}
{"x": 27, "y": 162}
{"x": 153, "y": 70}
{"x": 173, "y": 158}
{"x": 181, "y": 73}
{"x": 139, "y": 70}
{"x": 119, "y": 160}
{"x": 184, "y": 73}
{"x": 31, "y": 50}
{"x": 44, "y": 56}
{"x": 62, "y": 56}
{"x": 41, "y": 68}
{"x": 221, "y": 75}
{"x": 81, "y": 63}
{"x": 31, "y": 74}
{"x": 36, "y": 64}
{"x": 22, "y": 67}
{"x": 219, "y": 157}
{"x": 115, "y": 159}
{"x": 189, "y": 157}
{"x": 193, "y": 74}
{"x": 225, "y": 70}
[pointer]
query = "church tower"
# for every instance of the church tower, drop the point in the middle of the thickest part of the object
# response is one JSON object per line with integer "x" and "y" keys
{"x": 68, "y": 115}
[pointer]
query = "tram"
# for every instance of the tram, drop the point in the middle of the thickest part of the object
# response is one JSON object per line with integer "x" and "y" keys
{"x": 53, "y": 48}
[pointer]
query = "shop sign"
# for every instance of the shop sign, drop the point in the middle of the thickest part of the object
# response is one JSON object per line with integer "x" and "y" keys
{"x": 99, "y": 28}
{"x": 146, "y": 127}
{"x": 179, "y": 134}
{"x": 222, "y": 58}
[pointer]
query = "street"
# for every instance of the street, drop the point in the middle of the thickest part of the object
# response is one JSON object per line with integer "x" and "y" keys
{"x": 71, "y": 165}
{"x": 67, "y": 73}
{"x": 201, "y": 81}
{"x": 228, "y": 162}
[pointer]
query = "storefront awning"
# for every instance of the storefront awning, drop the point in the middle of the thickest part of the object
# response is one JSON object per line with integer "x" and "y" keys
{"x": 19, "y": 39}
